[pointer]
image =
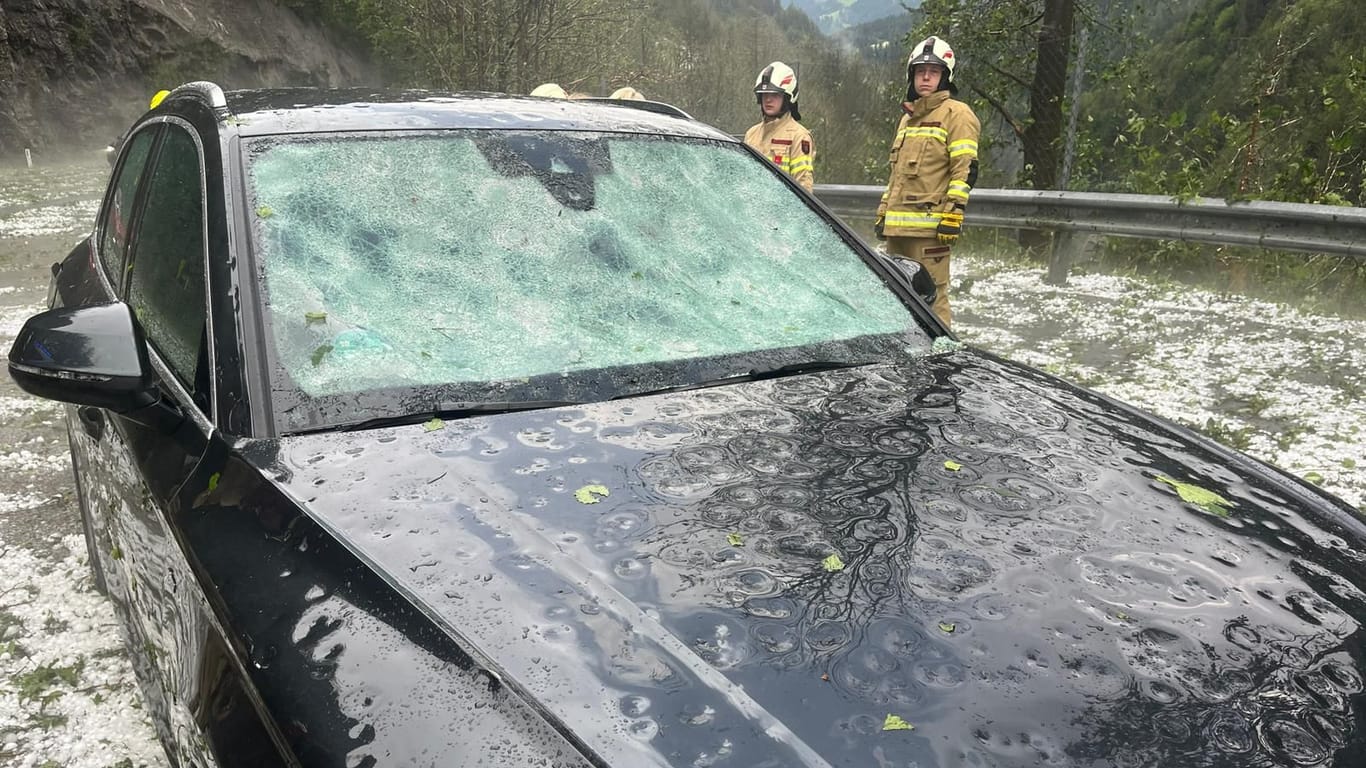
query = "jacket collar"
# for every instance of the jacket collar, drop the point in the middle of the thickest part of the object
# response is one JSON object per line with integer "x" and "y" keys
{"x": 925, "y": 104}
{"x": 773, "y": 122}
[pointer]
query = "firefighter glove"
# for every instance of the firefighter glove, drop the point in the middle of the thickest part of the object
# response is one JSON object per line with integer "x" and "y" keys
{"x": 950, "y": 226}
{"x": 879, "y": 225}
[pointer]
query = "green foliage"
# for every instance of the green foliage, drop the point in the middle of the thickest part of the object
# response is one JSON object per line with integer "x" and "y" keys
{"x": 40, "y": 683}
{"x": 701, "y": 55}
{"x": 1244, "y": 100}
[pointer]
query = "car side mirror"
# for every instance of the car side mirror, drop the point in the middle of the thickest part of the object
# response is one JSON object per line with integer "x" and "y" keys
{"x": 86, "y": 356}
{"x": 919, "y": 281}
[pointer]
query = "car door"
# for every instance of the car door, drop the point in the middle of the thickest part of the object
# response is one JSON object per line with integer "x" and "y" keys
{"x": 133, "y": 465}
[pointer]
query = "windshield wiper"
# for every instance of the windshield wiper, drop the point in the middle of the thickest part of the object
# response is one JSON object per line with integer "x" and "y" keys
{"x": 756, "y": 374}
{"x": 457, "y": 410}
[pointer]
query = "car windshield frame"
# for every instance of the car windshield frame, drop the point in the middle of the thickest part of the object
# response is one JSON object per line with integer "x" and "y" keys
{"x": 294, "y": 409}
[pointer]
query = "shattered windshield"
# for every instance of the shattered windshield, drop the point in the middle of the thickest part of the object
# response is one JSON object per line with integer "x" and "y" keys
{"x": 401, "y": 271}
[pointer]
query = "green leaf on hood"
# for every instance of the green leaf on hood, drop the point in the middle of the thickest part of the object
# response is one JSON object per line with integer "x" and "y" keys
{"x": 947, "y": 627}
{"x": 895, "y": 723}
{"x": 592, "y": 494}
{"x": 833, "y": 563}
{"x": 952, "y": 465}
{"x": 1209, "y": 501}
{"x": 433, "y": 425}
{"x": 735, "y": 539}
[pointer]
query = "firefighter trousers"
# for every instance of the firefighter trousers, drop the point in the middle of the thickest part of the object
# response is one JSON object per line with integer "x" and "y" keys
{"x": 933, "y": 255}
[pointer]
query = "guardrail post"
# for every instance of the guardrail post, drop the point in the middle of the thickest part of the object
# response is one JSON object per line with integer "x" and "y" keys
{"x": 1067, "y": 246}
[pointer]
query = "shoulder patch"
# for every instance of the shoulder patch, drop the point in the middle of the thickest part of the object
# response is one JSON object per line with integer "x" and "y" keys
{"x": 806, "y": 147}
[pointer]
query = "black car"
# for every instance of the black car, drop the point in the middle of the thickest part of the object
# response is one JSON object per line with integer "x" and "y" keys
{"x": 468, "y": 430}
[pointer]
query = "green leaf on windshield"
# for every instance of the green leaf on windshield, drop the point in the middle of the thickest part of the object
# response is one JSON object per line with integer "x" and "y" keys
{"x": 735, "y": 539}
{"x": 947, "y": 627}
{"x": 315, "y": 317}
{"x": 592, "y": 494}
{"x": 264, "y": 211}
{"x": 952, "y": 465}
{"x": 213, "y": 481}
{"x": 433, "y": 425}
{"x": 833, "y": 563}
{"x": 895, "y": 723}
{"x": 320, "y": 353}
{"x": 1209, "y": 501}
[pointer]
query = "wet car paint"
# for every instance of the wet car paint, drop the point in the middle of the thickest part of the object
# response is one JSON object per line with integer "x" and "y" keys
{"x": 258, "y": 642}
{"x": 1049, "y": 600}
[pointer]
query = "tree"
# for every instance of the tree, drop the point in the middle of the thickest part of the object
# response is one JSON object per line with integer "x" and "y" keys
{"x": 1015, "y": 55}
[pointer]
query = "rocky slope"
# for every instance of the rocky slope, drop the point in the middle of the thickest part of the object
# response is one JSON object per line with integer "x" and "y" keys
{"x": 75, "y": 72}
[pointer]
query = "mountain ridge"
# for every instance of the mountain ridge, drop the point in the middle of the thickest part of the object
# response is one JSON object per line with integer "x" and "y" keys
{"x": 834, "y": 16}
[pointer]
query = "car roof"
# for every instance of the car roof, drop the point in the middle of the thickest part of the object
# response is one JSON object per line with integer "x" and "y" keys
{"x": 273, "y": 111}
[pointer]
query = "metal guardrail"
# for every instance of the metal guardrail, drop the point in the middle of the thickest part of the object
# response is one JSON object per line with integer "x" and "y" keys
{"x": 1278, "y": 226}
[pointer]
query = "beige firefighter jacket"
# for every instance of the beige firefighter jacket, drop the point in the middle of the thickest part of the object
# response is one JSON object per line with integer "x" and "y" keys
{"x": 933, "y": 153}
{"x": 789, "y": 145}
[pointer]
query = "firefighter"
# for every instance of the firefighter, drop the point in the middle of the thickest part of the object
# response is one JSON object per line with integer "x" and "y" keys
{"x": 933, "y": 167}
{"x": 779, "y": 136}
{"x": 627, "y": 93}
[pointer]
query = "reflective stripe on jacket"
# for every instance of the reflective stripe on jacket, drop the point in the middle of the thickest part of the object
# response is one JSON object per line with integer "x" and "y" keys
{"x": 932, "y": 154}
{"x": 789, "y": 145}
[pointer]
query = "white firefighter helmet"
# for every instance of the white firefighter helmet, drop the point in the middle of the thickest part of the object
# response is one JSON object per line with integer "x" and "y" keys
{"x": 550, "y": 91}
{"x": 777, "y": 78}
{"x": 931, "y": 50}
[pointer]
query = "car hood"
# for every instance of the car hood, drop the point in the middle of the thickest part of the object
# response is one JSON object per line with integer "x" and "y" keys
{"x": 952, "y": 560}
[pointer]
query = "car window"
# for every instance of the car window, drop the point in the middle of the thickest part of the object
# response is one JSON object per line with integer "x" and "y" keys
{"x": 475, "y": 262}
{"x": 166, "y": 288}
{"x": 119, "y": 209}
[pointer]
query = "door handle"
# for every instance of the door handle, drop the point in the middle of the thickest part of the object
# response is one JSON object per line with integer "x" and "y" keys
{"x": 92, "y": 421}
